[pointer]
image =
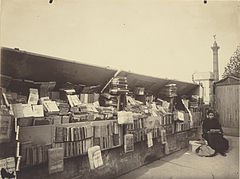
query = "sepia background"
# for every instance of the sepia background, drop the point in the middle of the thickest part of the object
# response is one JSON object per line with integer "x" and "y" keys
{"x": 167, "y": 39}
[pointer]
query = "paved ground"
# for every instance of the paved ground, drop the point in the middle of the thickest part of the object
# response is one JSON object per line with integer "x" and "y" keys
{"x": 187, "y": 165}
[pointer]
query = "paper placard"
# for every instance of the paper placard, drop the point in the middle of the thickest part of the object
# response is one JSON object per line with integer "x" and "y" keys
{"x": 33, "y": 96}
{"x": 128, "y": 143}
{"x": 149, "y": 139}
{"x": 55, "y": 160}
{"x": 163, "y": 136}
{"x": 95, "y": 157}
{"x": 125, "y": 117}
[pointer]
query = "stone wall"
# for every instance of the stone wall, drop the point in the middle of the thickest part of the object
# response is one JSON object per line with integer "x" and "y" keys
{"x": 116, "y": 162}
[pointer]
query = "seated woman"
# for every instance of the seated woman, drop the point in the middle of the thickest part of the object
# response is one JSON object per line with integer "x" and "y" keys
{"x": 213, "y": 133}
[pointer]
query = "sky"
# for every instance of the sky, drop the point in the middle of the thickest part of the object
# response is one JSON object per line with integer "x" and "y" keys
{"x": 160, "y": 38}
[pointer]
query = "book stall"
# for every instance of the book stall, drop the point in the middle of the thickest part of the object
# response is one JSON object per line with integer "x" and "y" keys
{"x": 69, "y": 130}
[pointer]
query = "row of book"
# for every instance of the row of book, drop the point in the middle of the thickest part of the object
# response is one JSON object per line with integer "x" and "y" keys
{"x": 76, "y": 148}
{"x": 48, "y": 120}
{"x": 65, "y": 134}
{"x": 182, "y": 126}
{"x": 138, "y": 135}
{"x": 32, "y": 154}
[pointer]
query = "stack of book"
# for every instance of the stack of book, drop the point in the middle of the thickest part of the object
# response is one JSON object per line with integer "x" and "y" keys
{"x": 170, "y": 90}
{"x": 106, "y": 112}
{"x": 119, "y": 85}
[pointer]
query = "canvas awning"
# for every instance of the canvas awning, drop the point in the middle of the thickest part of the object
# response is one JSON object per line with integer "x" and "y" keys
{"x": 31, "y": 66}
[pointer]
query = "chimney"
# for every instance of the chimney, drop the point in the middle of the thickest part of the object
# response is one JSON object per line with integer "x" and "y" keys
{"x": 215, "y": 48}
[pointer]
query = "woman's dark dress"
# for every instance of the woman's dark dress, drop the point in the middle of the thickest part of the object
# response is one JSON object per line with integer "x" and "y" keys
{"x": 215, "y": 140}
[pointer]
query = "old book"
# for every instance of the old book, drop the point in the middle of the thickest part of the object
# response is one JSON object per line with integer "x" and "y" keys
{"x": 77, "y": 148}
{"x": 128, "y": 143}
{"x": 55, "y": 162}
{"x": 17, "y": 110}
{"x": 41, "y": 121}
{"x": 84, "y": 146}
{"x": 40, "y": 154}
{"x": 163, "y": 136}
{"x": 59, "y": 135}
{"x": 88, "y": 143}
{"x": 73, "y": 100}
{"x": 89, "y": 131}
{"x": 97, "y": 131}
{"x": 38, "y": 110}
{"x": 27, "y": 110}
{"x": 81, "y": 147}
{"x": 64, "y": 133}
{"x": 68, "y": 134}
{"x": 96, "y": 141}
{"x": 65, "y": 119}
{"x": 24, "y": 147}
{"x": 116, "y": 139}
{"x": 149, "y": 139}
{"x": 72, "y": 133}
{"x": 33, "y": 150}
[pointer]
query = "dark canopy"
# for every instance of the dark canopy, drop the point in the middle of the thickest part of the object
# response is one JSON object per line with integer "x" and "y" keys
{"x": 31, "y": 66}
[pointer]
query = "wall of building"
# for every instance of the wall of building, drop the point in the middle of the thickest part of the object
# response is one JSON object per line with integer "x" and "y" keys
{"x": 227, "y": 106}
